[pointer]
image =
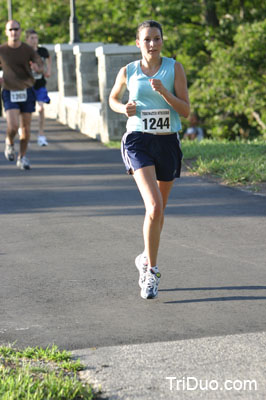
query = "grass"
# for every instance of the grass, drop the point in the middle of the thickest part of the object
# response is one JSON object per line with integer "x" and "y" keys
{"x": 235, "y": 163}
{"x": 41, "y": 374}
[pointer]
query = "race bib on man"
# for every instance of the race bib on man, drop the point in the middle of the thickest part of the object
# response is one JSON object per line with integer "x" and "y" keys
{"x": 155, "y": 121}
{"x": 18, "y": 95}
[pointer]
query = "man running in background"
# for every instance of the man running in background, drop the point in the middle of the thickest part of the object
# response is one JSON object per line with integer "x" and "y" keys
{"x": 40, "y": 81}
{"x": 17, "y": 60}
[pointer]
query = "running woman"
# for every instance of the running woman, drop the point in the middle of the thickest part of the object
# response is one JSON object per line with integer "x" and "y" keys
{"x": 150, "y": 148}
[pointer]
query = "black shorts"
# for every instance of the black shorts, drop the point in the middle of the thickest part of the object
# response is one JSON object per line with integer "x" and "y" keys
{"x": 144, "y": 149}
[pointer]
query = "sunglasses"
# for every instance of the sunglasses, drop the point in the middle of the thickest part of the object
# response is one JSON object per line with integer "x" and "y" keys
{"x": 14, "y": 29}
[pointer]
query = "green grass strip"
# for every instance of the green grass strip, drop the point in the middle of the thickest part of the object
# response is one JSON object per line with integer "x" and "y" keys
{"x": 41, "y": 374}
{"x": 234, "y": 162}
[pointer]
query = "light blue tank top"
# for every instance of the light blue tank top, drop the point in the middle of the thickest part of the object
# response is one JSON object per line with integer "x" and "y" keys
{"x": 153, "y": 113}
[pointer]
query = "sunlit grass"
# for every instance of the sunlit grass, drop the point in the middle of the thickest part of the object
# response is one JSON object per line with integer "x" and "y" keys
{"x": 41, "y": 374}
{"x": 233, "y": 162}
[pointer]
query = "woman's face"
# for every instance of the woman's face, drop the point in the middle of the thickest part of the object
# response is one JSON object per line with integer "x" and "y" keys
{"x": 150, "y": 42}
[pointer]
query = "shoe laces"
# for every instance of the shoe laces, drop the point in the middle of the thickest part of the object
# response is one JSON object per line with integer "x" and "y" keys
{"x": 152, "y": 278}
{"x": 150, "y": 281}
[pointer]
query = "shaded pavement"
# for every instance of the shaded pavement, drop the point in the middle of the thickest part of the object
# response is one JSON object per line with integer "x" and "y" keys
{"x": 71, "y": 228}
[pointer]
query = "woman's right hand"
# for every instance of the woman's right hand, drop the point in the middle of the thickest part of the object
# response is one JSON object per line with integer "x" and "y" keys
{"x": 130, "y": 108}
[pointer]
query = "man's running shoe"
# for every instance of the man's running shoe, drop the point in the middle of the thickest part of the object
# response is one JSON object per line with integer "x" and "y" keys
{"x": 150, "y": 287}
{"x": 10, "y": 152}
{"x": 23, "y": 163}
{"x": 141, "y": 263}
{"x": 42, "y": 141}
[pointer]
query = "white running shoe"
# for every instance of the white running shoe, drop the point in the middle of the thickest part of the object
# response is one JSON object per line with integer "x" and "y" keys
{"x": 42, "y": 141}
{"x": 141, "y": 263}
{"x": 10, "y": 152}
{"x": 150, "y": 287}
{"x": 23, "y": 163}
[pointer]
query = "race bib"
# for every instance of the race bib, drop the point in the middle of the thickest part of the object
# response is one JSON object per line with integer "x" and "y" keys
{"x": 155, "y": 121}
{"x": 18, "y": 95}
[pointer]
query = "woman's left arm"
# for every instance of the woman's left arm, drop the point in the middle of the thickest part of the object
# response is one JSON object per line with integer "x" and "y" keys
{"x": 179, "y": 101}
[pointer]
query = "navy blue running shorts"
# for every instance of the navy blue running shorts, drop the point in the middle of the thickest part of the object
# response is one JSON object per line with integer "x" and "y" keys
{"x": 140, "y": 150}
{"x": 27, "y": 106}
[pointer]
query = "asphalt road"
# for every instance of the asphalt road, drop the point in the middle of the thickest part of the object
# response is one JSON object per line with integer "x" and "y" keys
{"x": 70, "y": 231}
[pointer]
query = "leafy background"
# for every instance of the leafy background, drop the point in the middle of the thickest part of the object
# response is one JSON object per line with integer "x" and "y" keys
{"x": 221, "y": 44}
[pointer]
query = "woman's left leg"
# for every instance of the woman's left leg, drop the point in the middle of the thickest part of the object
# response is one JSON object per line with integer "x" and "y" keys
{"x": 155, "y": 195}
{"x": 165, "y": 189}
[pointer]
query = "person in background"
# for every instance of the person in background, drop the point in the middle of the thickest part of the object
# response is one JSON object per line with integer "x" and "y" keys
{"x": 18, "y": 60}
{"x": 150, "y": 148}
{"x": 40, "y": 81}
{"x": 194, "y": 131}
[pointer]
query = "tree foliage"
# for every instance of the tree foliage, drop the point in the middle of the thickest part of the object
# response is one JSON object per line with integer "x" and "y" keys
{"x": 229, "y": 92}
{"x": 221, "y": 44}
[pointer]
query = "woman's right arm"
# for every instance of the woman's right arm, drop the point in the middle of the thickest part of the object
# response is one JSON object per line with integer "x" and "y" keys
{"x": 117, "y": 92}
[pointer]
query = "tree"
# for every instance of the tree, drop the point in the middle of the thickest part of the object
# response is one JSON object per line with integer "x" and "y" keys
{"x": 230, "y": 92}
